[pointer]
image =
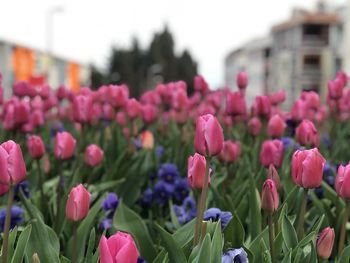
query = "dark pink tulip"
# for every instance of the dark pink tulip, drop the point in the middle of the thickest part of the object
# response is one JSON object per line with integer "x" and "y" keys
{"x": 108, "y": 111}
{"x": 120, "y": 118}
{"x": 230, "y": 151}
{"x": 93, "y": 155}
{"x": 37, "y": 103}
{"x": 335, "y": 89}
{"x": 200, "y": 84}
{"x": 235, "y": 103}
{"x": 342, "y": 182}
{"x": 36, "y": 147}
{"x": 324, "y": 244}
{"x": 4, "y": 188}
{"x": 277, "y": 97}
{"x": 12, "y": 166}
{"x": 343, "y": 77}
{"x": 22, "y": 88}
{"x": 254, "y": 126}
{"x": 242, "y": 80}
{"x": 276, "y": 126}
{"x": 311, "y": 98}
{"x": 64, "y": 145}
{"x": 209, "y": 137}
{"x": 306, "y": 134}
{"x": 78, "y": 203}
{"x": 196, "y": 171}
{"x": 179, "y": 99}
{"x": 271, "y": 153}
{"x": 61, "y": 92}
{"x": 261, "y": 106}
{"x": 180, "y": 116}
{"x": 150, "y": 97}
{"x": 82, "y": 109}
{"x": 269, "y": 196}
{"x": 307, "y": 168}
{"x": 299, "y": 110}
{"x": 133, "y": 108}
{"x": 119, "y": 95}
{"x": 273, "y": 175}
{"x": 119, "y": 248}
{"x": 149, "y": 113}
{"x": 9, "y": 120}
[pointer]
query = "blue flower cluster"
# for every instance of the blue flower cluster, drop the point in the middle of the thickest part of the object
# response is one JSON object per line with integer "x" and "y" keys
{"x": 187, "y": 211}
{"x": 169, "y": 186}
{"x": 16, "y": 217}
{"x": 288, "y": 142}
{"x": 215, "y": 214}
{"x": 109, "y": 205}
{"x": 24, "y": 186}
{"x": 235, "y": 255}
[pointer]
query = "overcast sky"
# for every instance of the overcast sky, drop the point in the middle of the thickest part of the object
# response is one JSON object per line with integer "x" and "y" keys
{"x": 86, "y": 29}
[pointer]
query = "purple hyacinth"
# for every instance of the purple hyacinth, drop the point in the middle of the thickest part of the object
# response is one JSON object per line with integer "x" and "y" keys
{"x": 181, "y": 190}
{"x": 169, "y": 173}
{"x": 110, "y": 204}
{"x": 235, "y": 255}
{"x": 24, "y": 186}
{"x": 162, "y": 192}
{"x": 16, "y": 217}
{"x": 215, "y": 214}
{"x": 187, "y": 211}
{"x": 147, "y": 197}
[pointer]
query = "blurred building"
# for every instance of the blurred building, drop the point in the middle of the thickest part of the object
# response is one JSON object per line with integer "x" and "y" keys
{"x": 18, "y": 62}
{"x": 303, "y": 53}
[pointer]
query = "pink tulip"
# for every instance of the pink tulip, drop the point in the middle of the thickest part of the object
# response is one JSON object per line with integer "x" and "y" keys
{"x": 299, "y": 110}
{"x": 149, "y": 113}
{"x": 311, "y": 98}
{"x": 273, "y": 175}
{"x": 179, "y": 99}
{"x": 78, "y": 203}
{"x": 209, "y": 137}
{"x": 271, "y": 153}
{"x": 342, "y": 182}
{"x": 325, "y": 243}
{"x": 307, "y": 168}
{"x": 36, "y": 147}
{"x": 61, "y": 92}
{"x": 119, "y": 248}
{"x": 196, "y": 171}
{"x": 235, "y": 103}
{"x": 200, "y": 84}
{"x": 147, "y": 140}
{"x": 254, "y": 126}
{"x": 93, "y": 155}
{"x": 269, "y": 196}
{"x": 133, "y": 108}
{"x": 277, "y": 97}
{"x": 261, "y": 106}
{"x": 64, "y": 145}
{"x": 335, "y": 89}
{"x": 306, "y": 134}
{"x": 150, "y": 97}
{"x": 12, "y": 166}
{"x": 242, "y": 80}
{"x": 108, "y": 111}
{"x": 4, "y": 188}
{"x": 276, "y": 126}
{"x": 82, "y": 109}
{"x": 230, "y": 151}
{"x": 118, "y": 95}
{"x": 120, "y": 118}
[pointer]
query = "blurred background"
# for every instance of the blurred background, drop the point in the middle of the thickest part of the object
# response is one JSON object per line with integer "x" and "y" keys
{"x": 291, "y": 44}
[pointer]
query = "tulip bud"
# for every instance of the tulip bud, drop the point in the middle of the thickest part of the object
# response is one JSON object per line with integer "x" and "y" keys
{"x": 273, "y": 175}
{"x": 325, "y": 243}
{"x": 342, "y": 182}
{"x": 149, "y": 113}
{"x": 271, "y": 153}
{"x": 64, "y": 145}
{"x": 147, "y": 140}
{"x": 93, "y": 155}
{"x": 120, "y": 247}
{"x": 277, "y": 97}
{"x": 261, "y": 106}
{"x": 307, "y": 168}
{"x": 82, "y": 109}
{"x": 209, "y": 137}
{"x": 276, "y": 126}
{"x": 269, "y": 196}
{"x": 36, "y": 147}
{"x": 78, "y": 203}
{"x": 12, "y": 166}
{"x": 335, "y": 89}
{"x": 196, "y": 171}
{"x": 242, "y": 80}
{"x": 306, "y": 134}
{"x": 254, "y": 126}
{"x": 230, "y": 151}
{"x": 235, "y": 103}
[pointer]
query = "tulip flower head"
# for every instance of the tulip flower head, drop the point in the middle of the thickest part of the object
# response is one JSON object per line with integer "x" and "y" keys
{"x": 242, "y": 80}
{"x": 209, "y": 137}
{"x": 196, "y": 171}
{"x": 36, "y": 147}
{"x": 254, "y": 126}
{"x": 269, "y": 196}
{"x": 230, "y": 151}
{"x": 119, "y": 248}
{"x": 78, "y": 203}
{"x": 307, "y": 168}
{"x": 276, "y": 126}
{"x": 325, "y": 243}
{"x": 271, "y": 153}
{"x": 93, "y": 155}
{"x": 306, "y": 134}
{"x": 342, "y": 182}
{"x": 64, "y": 145}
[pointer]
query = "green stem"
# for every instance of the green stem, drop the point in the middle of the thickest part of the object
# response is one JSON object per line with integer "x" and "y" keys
{"x": 201, "y": 204}
{"x": 300, "y": 226}
{"x": 59, "y": 195}
{"x": 7, "y": 224}
{"x": 271, "y": 236}
{"x": 343, "y": 228}
{"x": 41, "y": 187}
{"x": 75, "y": 241}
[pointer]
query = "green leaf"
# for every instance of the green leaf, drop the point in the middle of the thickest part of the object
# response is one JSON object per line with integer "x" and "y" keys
{"x": 12, "y": 240}
{"x": 204, "y": 252}
{"x": 174, "y": 250}
{"x": 345, "y": 255}
{"x": 127, "y": 220}
{"x": 255, "y": 214}
{"x": 21, "y": 245}
{"x": 265, "y": 253}
{"x": 254, "y": 245}
{"x": 185, "y": 233}
{"x": 173, "y": 217}
{"x": 216, "y": 244}
{"x": 289, "y": 234}
{"x": 91, "y": 246}
{"x": 234, "y": 232}
{"x": 287, "y": 257}
{"x": 84, "y": 230}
